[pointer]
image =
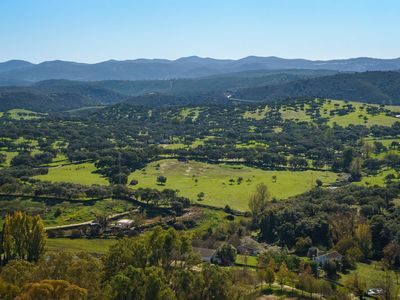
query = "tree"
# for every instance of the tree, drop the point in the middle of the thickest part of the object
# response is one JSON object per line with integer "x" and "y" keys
{"x": 269, "y": 276}
{"x": 330, "y": 267}
{"x": 8, "y": 291}
{"x": 200, "y": 196}
{"x": 3, "y": 158}
{"x": 52, "y": 290}
{"x": 364, "y": 239}
{"x": 37, "y": 240}
{"x": 226, "y": 254}
{"x": 355, "y": 284}
{"x": 258, "y": 202}
{"x": 282, "y": 275}
{"x": 23, "y": 237}
{"x": 161, "y": 180}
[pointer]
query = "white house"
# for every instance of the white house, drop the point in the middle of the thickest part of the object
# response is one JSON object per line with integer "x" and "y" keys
{"x": 124, "y": 223}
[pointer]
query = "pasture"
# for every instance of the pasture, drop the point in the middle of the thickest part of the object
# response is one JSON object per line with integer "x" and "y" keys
{"x": 63, "y": 213}
{"x": 359, "y": 117}
{"x": 75, "y": 173}
{"x": 221, "y": 183}
{"x": 372, "y": 274}
{"x": 257, "y": 114}
{"x": 24, "y": 114}
{"x": 97, "y": 246}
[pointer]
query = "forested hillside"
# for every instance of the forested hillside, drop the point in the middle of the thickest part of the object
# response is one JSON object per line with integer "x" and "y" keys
{"x": 374, "y": 87}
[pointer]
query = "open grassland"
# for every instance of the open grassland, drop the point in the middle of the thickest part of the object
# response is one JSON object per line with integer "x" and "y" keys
{"x": 192, "y": 113}
{"x": 9, "y": 157}
{"x": 357, "y": 117}
{"x": 196, "y": 143}
{"x": 257, "y": 114}
{"x": 24, "y": 114}
{"x": 246, "y": 260}
{"x": 55, "y": 214}
{"x": 372, "y": 274}
{"x": 252, "y": 144}
{"x": 299, "y": 115}
{"x": 98, "y": 246}
{"x": 75, "y": 173}
{"x": 219, "y": 182}
{"x": 378, "y": 179}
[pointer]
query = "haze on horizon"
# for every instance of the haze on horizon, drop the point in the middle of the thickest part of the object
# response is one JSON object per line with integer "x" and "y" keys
{"x": 98, "y": 30}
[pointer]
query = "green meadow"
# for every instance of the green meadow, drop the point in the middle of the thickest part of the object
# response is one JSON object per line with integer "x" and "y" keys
{"x": 357, "y": 117}
{"x": 372, "y": 274}
{"x": 63, "y": 213}
{"x": 220, "y": 184}
{"x": 82, "y": 173}
{"x": 24, "y": 114}
{"x": 257, "y": 114}
{"x": 299, "y": 115}
{"x": 98, "y": 246}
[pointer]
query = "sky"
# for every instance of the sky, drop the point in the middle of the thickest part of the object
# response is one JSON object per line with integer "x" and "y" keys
{"x": 98, "y": 30}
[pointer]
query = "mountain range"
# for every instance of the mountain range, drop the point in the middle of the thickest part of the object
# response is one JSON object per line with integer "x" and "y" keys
{"x": 18, "y": 72}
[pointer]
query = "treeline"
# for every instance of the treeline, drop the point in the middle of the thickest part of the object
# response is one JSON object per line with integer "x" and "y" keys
{"x": 158, "y": 265}
{"x": 361, "y": 223}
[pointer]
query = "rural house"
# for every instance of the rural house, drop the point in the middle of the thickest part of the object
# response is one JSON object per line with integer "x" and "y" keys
{"x": 206, "y": 254}
{"x": 331, "y": 256}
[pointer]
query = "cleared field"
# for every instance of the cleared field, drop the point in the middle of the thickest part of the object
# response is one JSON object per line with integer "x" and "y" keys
{"x": 378, "y": 179}
{"x": 246, "y": 260}
{"x": 357, "y": 117}
{"x": 75, "y": 173}
{"x": 192, "y": 113}
{"x": 9, "y": 156}
{"x": 372, "y": 274}
{"x": 98, "y": 246}
{"x": 24, "y": 114}
{"x": 299, "y": 115}
{"x": 66, "y": 212}
{"x": 258, "y": 114}
{"x": 219, "y": 182}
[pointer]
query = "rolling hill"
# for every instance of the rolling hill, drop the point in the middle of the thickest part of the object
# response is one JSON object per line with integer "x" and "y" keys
{"x": 186, "y": 67}
{"x": 375, "y": 87}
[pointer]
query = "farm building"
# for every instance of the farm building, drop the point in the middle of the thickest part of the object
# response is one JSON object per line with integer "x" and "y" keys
{"x": 124, "y": 223}
{"x": 249, "y": 246}
{"x": 331, "y": 256}
{"x": 206, "y": 254}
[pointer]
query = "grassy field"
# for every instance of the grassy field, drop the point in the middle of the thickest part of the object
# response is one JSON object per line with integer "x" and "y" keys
{"x": 372, "y": 274}
{"x": 258, "y": 114}
{"x": 244, "y": 260}
{"x": 24, "y": 114}
{"x": 290, "y": 114}
{"x": 192, "y": 113}
{"x": 214, "y": 180}
{"x": 357, "y": 117}
{"x": 9, "y": 157}
{"x": 76, "y": 173}
{"x": 65, "y": 212}
{"x": 378, "y": 179}
{"x": 98, "y": 246}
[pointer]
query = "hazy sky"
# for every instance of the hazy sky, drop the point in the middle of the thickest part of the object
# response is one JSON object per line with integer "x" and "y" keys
{"x": 96, "y": 30}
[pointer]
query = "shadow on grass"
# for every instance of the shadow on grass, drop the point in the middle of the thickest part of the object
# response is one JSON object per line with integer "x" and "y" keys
{"x": 285, "y": 293}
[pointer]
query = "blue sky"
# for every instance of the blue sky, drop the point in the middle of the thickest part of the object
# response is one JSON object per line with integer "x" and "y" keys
{"x": 97, "y": 30}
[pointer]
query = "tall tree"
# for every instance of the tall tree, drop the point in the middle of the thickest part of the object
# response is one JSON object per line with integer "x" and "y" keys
{"x": 23, "y": 237}
{"x": 258, "y": 202}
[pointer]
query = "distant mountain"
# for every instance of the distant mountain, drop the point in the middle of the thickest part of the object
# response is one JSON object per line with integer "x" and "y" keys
{"x": 376, "y": 87}
{"x": 214, "y": 83}
{"x": 14, "y": 65}
{"x": 186, "y": 67}
{"x": 260, "y": 85}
